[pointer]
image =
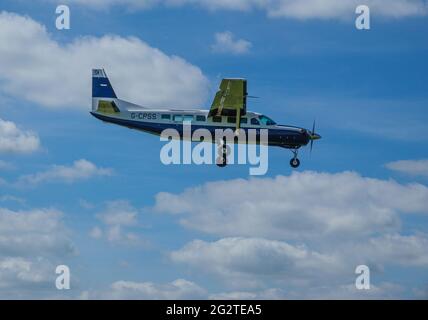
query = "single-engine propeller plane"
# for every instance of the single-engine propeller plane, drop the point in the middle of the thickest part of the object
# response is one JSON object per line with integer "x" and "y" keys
{"x": 228, "y": 110}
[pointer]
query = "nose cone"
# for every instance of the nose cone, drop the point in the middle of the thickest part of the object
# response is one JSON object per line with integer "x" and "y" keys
{"x": 315, "y": 136}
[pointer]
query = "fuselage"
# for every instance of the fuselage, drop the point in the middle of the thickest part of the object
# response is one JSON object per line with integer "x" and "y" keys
{"x": 155, "y": 121}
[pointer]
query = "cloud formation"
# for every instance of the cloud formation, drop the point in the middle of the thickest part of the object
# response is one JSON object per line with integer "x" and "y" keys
{"x": 176, "y": 290}
{"x": 32, "y": 243}
{"x": 296, "y": 9}
{"x": 20, "y": 275}
{"x": 118, "y": 217}
{"x": 225, "y": 42}
{"x": 300, "y": 236}
{"x": 16, "y": 140}
{"x": 33, "y": 232}
{"x": 35, "y": 67}
{"x": 247, "y": 262}
{"x": 304, "y": 205}
{"x": 80, "y": 170}
{"x": 410, "y": 167}
{"x": 270, "y": 269}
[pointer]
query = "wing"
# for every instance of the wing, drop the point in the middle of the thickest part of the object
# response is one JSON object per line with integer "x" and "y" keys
{"x": 230, "y": 99}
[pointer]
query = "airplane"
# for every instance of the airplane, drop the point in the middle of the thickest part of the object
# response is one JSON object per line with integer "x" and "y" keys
{"x": 228, "y": 110}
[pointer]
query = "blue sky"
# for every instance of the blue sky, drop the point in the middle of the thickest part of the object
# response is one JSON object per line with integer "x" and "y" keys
{"x": 125, "y": 223}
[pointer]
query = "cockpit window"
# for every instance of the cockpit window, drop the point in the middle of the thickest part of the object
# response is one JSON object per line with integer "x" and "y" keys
{"x": 266, "y": 121}
{"x": 254, "y": 121}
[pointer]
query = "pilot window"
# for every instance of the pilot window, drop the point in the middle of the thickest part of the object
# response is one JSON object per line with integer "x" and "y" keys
{"x": 266, "y": 121}
{"x": 231, "y": 119}
{"x": 200, "y": 118}
{"x": 254, "y": 121}
{"x": 166, "y": 117}
{"x": 243, "y": 120}
{"x": 178, "y": 118}
{"x": 216, "y": 119}
{"x": 188, "y": 118}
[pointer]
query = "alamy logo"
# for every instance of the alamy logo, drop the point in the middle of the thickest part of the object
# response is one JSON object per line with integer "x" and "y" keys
{"x": 63, "y": 20}
{"x": 362, "y": 282}
{"x": 62, "y": 281}
{"x": 363, "y": 20}
{"x": 179, "y": 149}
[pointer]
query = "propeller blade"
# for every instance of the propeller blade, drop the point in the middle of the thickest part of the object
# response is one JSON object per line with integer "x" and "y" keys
{"x": 312, "y": 137}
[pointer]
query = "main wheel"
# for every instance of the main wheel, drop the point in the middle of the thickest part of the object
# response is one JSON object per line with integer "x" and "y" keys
{"x": 295, "y": 163}
{"x": 223, "y": 161}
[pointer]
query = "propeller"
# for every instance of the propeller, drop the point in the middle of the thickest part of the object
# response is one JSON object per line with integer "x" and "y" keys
{"x": 312, "y": 133}
{"x": 313, "y": 136}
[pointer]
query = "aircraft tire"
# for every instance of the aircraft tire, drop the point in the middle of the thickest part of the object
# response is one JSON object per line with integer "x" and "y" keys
{"x": 294, "y": 163}
{"x": 224, "y": 161}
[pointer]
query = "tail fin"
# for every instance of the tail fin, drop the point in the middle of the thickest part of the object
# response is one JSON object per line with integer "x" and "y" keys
{"x": 103, "y": 95}
{"x": 101, "y": 87}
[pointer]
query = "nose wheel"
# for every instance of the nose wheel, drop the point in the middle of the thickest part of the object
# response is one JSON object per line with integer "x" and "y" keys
{"x": 294, "y": 162}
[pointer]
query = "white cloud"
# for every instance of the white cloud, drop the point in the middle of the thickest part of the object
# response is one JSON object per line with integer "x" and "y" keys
{"x": 80, "y": 170}
{"x": 118, "y": 217}
{"x": 305, "y": 234}
{"x": 225, "y": 42}
{"x": 410, "y": 167}
{"x": 250, "y": 261}
{"x": 16, "y": 140}
{"x": 23, "y": 278}
{"x": 304, "y": 205}
{"x": 395, "y": 249}
{"x": 17, "y": 275}
{"x": 384, "y": 290}
{"x": 102, "y": 4}
{"x": 260, "y": 263}
{"x": 183, "y": 289}
{"x": 32, "y": 243}
{"x": 298, "y": 9}
{"x": 268, "y": 294}
{"x": 96, "y": 233}
{"x": 119, "y": 213}
{"x": 246, "y": 255}
{"x": 34, "y": 232}
{"x": 176, "y": 290}
{"x": 35, "y": 67}
{"x": 344, "y": 8}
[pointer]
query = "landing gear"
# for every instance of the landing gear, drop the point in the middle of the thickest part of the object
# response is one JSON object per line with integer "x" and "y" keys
{"x": 294, "y": 162}
{"x": 223, "y": 151}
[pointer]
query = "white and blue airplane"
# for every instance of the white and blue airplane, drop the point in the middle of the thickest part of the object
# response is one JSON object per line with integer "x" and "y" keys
{"x": 228, "y": 110}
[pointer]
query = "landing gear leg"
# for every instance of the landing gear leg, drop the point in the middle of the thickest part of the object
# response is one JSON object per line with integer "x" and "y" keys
{"x": 221, "y": 160}
{"x": 294, "y": 162}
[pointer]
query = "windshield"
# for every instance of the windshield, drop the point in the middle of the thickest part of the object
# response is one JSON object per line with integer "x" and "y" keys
{"x": 266, "y": 121}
